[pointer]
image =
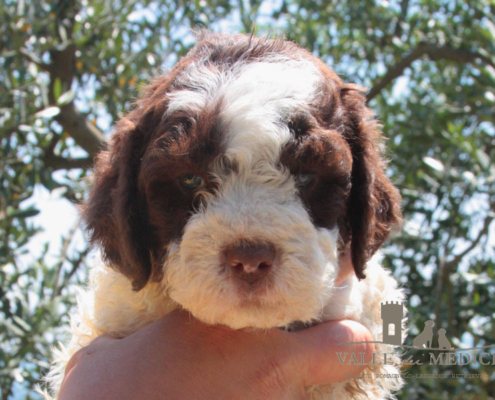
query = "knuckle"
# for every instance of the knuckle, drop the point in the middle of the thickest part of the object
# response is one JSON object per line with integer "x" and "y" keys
{"x": 75, "y": 359}
{"x": 96, "y": 345}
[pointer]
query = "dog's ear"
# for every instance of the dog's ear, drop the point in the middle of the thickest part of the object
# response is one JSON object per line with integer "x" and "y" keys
{"x": 115, "y": 213}
{"x": 374, "y": 202}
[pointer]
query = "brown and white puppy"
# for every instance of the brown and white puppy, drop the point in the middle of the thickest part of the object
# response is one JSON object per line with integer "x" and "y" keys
{"x": 231, "y": 190}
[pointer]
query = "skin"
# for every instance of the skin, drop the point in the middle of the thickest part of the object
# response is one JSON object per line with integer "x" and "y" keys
{"x": 179, "y": 357}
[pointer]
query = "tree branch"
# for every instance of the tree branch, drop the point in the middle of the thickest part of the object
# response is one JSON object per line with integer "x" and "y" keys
{"x": 445, "y": 269}
{"x": 75, "y": 266}
{"x": 404, "y": 6}
{"x": 84, "y": 133}
{"x": 435, "y": 53}
{"x": 63, "y": 256}
{"x": 57, "y": 162}
{"x": 457, "y": 259}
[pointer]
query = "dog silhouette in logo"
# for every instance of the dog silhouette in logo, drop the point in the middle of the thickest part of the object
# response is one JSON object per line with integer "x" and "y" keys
{"x": 425, "y": 338}
{"x": 443, "y": 342}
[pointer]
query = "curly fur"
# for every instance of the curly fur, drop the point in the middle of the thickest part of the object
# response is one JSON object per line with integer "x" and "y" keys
{"x": 248, "y": 116}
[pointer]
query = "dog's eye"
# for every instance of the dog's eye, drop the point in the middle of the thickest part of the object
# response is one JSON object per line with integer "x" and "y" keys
{"x": 303, "y": 180}
{"x": 192, "y": 182}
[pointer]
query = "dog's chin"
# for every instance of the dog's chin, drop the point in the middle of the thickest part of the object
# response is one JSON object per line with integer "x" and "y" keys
{"x": 252, "y": 314}
{"x": 239, "y": 308}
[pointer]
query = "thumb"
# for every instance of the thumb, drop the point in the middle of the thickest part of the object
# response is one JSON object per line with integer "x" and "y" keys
{"x": 318, "y": 357}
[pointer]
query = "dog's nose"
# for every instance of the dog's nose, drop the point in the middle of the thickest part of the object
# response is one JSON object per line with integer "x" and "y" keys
{"x": 250, "y": 261}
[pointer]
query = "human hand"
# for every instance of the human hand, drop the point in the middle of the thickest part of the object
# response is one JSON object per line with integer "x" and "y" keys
{"x": 179, "y": 357}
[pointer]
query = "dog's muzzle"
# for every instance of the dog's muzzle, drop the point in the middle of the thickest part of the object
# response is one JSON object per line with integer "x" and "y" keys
{"x": 250, "y": 264}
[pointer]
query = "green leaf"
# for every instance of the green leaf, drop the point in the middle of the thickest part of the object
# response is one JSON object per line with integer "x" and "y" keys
{"x": 431, "y": 181}
{"x": 66, "y": 98}
{"x": 483, "y": 158}
{"x": 491, "y": 28}
{"x": 28, "y": 212}
{"x": 433, "y": 163}
{"x": 23, "y": 324}
{"x": 57, "y": 88}
{"x": 12, "y": 328}
{"x": 49, "y": 112}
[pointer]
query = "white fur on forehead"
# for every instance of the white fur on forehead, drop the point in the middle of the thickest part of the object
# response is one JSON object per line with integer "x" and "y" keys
{"x": 255, "y": 98}
{"x": 257, "y": 104}
{"x": 204, "y": 83}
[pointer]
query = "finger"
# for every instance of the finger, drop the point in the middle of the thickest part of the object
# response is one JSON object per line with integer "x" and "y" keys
{"x": 321, "y": 359}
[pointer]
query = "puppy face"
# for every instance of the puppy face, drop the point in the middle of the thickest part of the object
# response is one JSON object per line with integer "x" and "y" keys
{"x": 238, "y": 178}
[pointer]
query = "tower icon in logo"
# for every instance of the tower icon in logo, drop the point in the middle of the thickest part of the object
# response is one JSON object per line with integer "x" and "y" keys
{"x": 392, "y": 315}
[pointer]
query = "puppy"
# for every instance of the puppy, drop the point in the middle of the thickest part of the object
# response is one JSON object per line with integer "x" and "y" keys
{"x": 231, "y": 190}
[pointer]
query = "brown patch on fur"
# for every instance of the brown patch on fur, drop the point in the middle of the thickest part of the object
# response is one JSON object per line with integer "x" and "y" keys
{"x": 374, "y": 202}
{"x": 351, "y": 191}
{"x": 123, "y": 213}
{"x": 185, "y": 149}
{"x": 325, "y": 154}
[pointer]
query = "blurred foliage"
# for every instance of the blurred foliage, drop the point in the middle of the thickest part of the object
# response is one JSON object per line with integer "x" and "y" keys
{"x": 69, "y": 69}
